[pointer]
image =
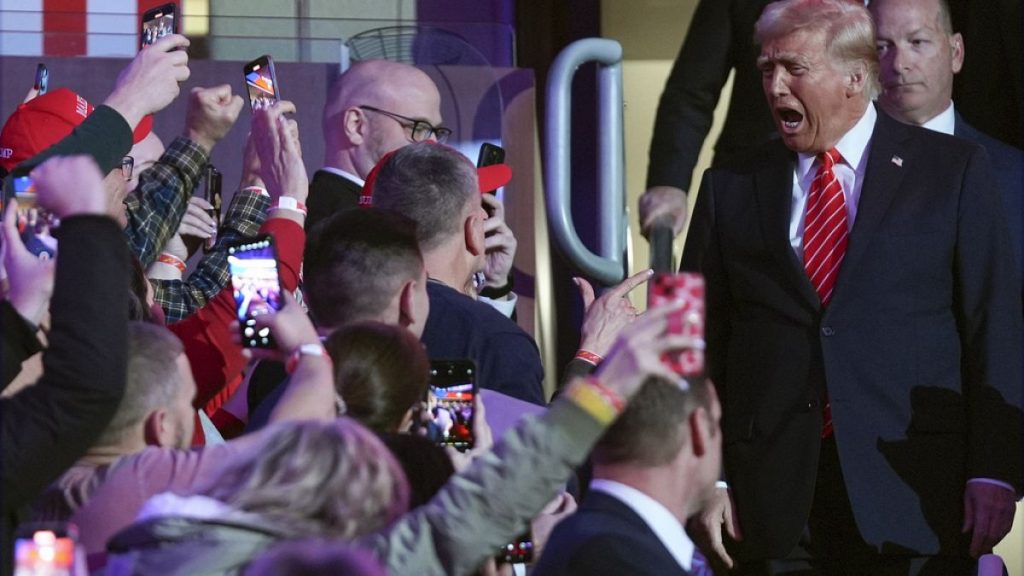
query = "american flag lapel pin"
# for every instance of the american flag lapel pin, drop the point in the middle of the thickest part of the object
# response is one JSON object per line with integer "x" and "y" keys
{"x": 897, "y": 161}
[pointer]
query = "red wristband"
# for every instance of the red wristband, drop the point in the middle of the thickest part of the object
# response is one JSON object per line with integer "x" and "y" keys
{"x": 588, "y": 356}
{"x": 172, "y": 260}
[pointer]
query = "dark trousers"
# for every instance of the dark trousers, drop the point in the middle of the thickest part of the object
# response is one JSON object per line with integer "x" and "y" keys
{"x": 831, "y": 545}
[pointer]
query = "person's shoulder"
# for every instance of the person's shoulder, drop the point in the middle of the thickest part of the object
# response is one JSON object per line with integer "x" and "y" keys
{"x": 769, "y": 154}
{"x": 999, "y": 151}
{"x": 463, "y": 307}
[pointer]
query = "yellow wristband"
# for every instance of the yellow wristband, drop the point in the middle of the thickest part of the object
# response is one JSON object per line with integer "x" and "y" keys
{"x": 592, "y": 401}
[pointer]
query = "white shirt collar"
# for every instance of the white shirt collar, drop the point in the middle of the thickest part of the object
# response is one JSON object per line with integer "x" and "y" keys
{"x": 344, "y": 174}
{"x": 945, "y": 122}
{"x": 662, "y": 522}
{"x": 852, "y": 145}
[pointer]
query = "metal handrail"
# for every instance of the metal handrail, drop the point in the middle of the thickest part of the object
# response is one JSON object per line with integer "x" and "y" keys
{"x": 608, "y": 267}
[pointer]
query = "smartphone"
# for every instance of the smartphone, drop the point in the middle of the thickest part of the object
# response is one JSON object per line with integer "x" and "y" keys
{"x": 213, "y": 196}
{"x": 257, "y": 288}
{"x": 34, "y": 223}
{"x": 688, "y": 288}
{"x": 48, "y": 549}
{"x": 450, "y": 403}
{"x": 42, "y": 79}
{"x": 261, "y": 82}
{"x": 519, "y": 551}
{"x": 159, "y": 22}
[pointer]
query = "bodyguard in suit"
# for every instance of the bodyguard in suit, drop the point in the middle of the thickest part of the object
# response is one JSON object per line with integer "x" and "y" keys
{"x": 864, "y": 324}
{"x": 652, "y": 469}
{"x": 919, "y": 54}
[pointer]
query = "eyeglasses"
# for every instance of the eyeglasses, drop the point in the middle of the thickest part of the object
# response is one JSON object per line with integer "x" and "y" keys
{"x": 421, "y": 129}
{"x": 127, "y": 167}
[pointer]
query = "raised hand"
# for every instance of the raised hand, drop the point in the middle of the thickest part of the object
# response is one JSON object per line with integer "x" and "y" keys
{"x": 211, "y": 114}
{"x": 151, "y": 81}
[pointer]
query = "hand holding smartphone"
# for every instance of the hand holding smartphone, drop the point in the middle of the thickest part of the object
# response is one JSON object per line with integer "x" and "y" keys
{"x": 687, "y": 288}
{"x": 158, "y": 22}
{"x": 450, "y": 408}
{"x": 257, "y": 288}
{"x": 261, "y": 82}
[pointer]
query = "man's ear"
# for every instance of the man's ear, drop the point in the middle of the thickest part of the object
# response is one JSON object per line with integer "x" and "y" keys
{"x": 407, "y": 304}
{"x": 154, "y": 427}
{"x": 856, "y": 78}
{"x": 472, "y": 229}
{"x": 699, "y": 431}
{"x": 956, "y": 44}
{"x": 354, "y": 122}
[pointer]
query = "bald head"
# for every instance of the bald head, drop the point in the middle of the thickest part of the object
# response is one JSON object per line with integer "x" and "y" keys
{"x": 356, "y": 138}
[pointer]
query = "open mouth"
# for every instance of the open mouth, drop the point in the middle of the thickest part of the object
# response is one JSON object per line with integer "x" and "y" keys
{"x": 790, "y": 118}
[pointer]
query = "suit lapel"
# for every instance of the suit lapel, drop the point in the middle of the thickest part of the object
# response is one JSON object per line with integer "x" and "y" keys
{"x": 888, "y": 160}
{"x": 774, "y": 190}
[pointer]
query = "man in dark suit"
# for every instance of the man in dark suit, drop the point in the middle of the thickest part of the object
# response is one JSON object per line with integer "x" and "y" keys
{"x": 373, "y": 108}
{"x": 864, "y": 324}
{"x": 720, "y": 40}
{"x": 652, "y": 469}
{"x": 919, "y": 55}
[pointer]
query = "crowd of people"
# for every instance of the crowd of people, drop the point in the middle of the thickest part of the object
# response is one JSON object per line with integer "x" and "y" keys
{"x": 860, "y": 410}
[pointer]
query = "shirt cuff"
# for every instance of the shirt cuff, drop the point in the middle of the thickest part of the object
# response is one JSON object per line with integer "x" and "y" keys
{"x": 995, "y": 482}
{"x": 506, "y": 307}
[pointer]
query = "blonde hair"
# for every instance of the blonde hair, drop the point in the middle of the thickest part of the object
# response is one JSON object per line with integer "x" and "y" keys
{"x": 847, "y": 24}
{"x": 333, "y": 479}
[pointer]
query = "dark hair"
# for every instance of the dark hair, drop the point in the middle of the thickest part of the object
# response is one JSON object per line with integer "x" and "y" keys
{"x": 431, "y": 184}
{"x": 380, "y": 371}
{"x": 355, "y": 262}
{"x": 426, "y": 465}
{"x": 659, "y": 410}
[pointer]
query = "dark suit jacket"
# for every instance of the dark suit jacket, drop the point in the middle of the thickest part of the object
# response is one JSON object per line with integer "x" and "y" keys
{"x": 1008, "y": 163}
{"x": 919, "y": 349}
{"x": 720, "y": 39}
{"x": 328, "y": 194}
{"x": 605, "y": 537}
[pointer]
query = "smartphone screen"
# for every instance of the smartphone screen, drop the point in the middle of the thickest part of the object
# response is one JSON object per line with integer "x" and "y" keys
{"x": 158, "y": 22}
{"x": 257, "y": 288}
{"x": 34, "y": 223}
{"x": 519, "y": 551}
{"x": 46, "y": 550}
{"x": 42, "y": 79}
{"x": 261, "y": 82}
{"x": 687, "y": 288}
{"x": 450, "y": 408}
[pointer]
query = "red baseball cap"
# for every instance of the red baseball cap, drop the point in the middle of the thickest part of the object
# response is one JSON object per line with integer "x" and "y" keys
{"x": 45, "y": 120}
{"x": 490, "y": 177}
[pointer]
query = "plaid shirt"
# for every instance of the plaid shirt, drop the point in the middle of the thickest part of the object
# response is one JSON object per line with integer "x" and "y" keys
{"x": 243, "y": 219}
{"x": 157, "y": 205}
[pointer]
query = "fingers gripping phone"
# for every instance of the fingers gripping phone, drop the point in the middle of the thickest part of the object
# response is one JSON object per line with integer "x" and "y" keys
{"x": 257, "y": 288}
{"x": 261, "y": 82}
{"x": 450, "y": 405}
{"x": 159, "y": 22}
{"x": 687, "y": 288}
{"x": 48, "y": 549}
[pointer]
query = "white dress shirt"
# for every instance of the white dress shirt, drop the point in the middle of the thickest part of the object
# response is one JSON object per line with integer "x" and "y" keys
{"x": 344, "y": 174}
{"x": 854, "y": 147}
{"x": 663, "y": 523}
{"x": 945, "y": 122}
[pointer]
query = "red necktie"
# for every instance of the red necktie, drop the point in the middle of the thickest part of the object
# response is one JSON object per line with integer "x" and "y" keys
{"x": 825, "y": 237}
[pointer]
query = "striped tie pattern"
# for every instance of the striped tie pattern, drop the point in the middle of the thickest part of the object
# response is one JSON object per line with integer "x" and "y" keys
{"x": 825, "y": 236}
{"x": 825, "y": 228}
